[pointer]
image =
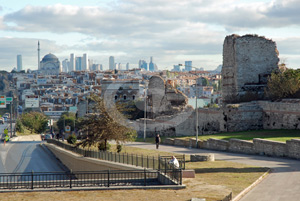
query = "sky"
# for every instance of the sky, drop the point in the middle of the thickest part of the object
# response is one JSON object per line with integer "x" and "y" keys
{"x": 172, "y": 31}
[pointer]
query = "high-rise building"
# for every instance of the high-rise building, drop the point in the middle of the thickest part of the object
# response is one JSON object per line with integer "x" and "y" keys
{"x": 85, "y": 62}
{"x": 112, "y": 63}
{"x": 65, "y": 65}
{"x": 78, "y": 64}
{"x": 101, "y": 67}
{"x": 176, "y": 68}
{"x": 19, "y": 62}
{"x": 39, "y": 60}
{"x": 143, "y": 64}
{"x": 72, "y": 63}
{"x": 151, "y": 65}
{"x": 188, "y": 65}
{"x": 127, "y": 66}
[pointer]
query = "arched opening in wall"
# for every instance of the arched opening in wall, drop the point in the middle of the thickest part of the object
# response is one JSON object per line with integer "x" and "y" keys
{"x": 133, "y": 97}
{"x": 124, "y": 97}
{"x": 116, "y": 97}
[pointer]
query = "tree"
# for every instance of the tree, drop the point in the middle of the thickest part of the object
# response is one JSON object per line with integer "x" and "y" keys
{"x": 108, "y": 122}
{"x": 35, "y": 121}
{"x": 284, "y": 83}
{"x": 205, "y": 81}
{"x": 67, "y": 119}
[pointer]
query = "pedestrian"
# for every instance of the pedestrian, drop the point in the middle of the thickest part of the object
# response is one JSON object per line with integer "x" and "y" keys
{"x": 174, "y": 162}
{"x": 157, "y": 140}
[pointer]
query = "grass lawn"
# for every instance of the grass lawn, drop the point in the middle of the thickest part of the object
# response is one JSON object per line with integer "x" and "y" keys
{"x": 214, "y": 180}
{"x": 276, "y": 135}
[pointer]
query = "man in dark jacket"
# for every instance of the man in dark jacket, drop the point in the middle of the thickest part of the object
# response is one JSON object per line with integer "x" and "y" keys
{"x": 157, "y": 140}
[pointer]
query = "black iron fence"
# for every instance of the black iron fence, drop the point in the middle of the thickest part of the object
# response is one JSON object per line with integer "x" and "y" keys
{"x": 156, "y": 163}
{"x": 34, "y": 180}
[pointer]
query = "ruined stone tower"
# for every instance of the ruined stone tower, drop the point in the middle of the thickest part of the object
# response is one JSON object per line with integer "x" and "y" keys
{"x": 247, "y": 62}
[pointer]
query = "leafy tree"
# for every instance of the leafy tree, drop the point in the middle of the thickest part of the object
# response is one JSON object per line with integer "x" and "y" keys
{"x": 67, "y": 119}
{"x": 108, "y": 122}
{"x": 72, "y": 139}
{"x": 35, "y": 121}
{"x": 283, "y": 84}
{"x": 205, "y": 81}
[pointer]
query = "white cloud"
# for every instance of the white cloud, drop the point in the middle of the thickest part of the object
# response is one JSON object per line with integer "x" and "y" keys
{"x": 165, "y": 29}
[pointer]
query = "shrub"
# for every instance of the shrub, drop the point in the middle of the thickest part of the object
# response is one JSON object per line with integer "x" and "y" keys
{"x": 72, "y": 139}
{"x": 119, "y": 148}
{"x": 101, "y": 146}
{"x": 19, "y": 126}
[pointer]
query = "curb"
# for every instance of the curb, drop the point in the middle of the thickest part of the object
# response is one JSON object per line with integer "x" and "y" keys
{"x": 246, "y": 190}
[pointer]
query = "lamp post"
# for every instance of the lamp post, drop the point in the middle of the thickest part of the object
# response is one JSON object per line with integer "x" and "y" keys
{"x": 197, "y": 123}
{"x": 145, "y": 111}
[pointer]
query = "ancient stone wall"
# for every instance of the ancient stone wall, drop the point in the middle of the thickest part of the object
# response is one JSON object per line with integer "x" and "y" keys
{"x": 242, "y": 117}
{"x": 281, "y": 115}
{"x": 247, "y": 62}
{"x": 290, "y": 149}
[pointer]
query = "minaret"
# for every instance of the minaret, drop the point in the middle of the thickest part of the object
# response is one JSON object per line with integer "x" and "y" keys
{"x": 38, "y": 55}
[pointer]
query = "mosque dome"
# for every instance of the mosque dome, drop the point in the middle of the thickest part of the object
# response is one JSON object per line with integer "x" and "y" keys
{"x": 50, "y": 57}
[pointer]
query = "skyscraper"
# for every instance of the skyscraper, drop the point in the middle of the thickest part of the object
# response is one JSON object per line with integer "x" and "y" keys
{"x": 39, "y": 60}
{"x": 19, "y": 62}
{"x": 188, "y": 65}
{"x": 151, "y": 65}
{"x": 72, "y": 63}
{"x": 111, "y": 63}
{"x": 65, "y": 65}
{"x": 85, "y": 62}
{"x": 127, "y": 66}
{"x": 78, "y": 63}
{"x": 143, "y": 64}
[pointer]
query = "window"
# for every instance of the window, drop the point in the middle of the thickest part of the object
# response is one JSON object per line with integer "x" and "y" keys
{"x": 133, "y": 97}
{"x": 124, "y": 97}
{"x": 116, "y": 97}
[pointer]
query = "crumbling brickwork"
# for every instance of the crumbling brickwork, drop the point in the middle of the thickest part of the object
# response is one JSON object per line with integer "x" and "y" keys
{"x": 247, "y": 62}
{"x": 163, "y": 99}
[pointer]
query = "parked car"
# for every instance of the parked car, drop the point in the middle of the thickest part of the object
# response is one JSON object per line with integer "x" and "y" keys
{"x": 42, "y": 136}
{"x": 48, "y": 136}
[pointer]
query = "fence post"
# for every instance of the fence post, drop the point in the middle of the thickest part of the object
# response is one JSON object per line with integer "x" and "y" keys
{"x": 180, "y": 176}
{"x": 31, "y": 179}
{"x": 108, "y": 178}
{"x": 145, "y": 177}
{"x": 165, "y": 166}
{"x": 71, "y": 178}
{"x": 153, "y": 163}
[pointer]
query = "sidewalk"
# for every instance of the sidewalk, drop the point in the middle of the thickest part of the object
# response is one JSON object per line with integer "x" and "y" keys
{"x": 282, "y": 184}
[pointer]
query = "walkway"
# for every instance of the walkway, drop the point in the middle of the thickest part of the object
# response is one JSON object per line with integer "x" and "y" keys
{"x": 282, "y": 184}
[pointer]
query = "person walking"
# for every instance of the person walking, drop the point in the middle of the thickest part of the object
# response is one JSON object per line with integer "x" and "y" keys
{"x": 157, "y": 140}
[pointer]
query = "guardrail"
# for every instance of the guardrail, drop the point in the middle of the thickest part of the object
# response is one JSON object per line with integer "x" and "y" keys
{"x": 34, "y": 180}
{"x": 159, "y": 163}
{"x": 156, "y": 163}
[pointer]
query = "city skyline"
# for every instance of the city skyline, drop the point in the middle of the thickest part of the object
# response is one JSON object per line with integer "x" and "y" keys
{"x": 170, "y": 31}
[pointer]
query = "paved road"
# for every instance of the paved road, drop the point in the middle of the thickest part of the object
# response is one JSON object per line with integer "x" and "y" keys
{"x": 283, "y": 184}
{"x": 27, "y": 156}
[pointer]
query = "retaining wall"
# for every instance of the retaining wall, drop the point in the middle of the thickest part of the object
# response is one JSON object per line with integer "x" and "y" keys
{"x": 290, "y": 149}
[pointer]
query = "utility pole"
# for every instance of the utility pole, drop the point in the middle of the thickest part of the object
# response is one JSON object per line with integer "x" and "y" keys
{"x": 11, "y": 119}
{"x": 145, "y": 112}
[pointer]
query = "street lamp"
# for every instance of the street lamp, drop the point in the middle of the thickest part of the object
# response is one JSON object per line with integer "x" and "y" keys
{"x": 196, "y": 106}
{"x": 145, "y": 110}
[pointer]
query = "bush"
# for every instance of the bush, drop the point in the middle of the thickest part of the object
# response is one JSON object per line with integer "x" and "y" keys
{"x": 119, "y": 148}
{"x": 101, "y": 146}
{"x": 72, "y": 139}
{"x": 19, "y": 126}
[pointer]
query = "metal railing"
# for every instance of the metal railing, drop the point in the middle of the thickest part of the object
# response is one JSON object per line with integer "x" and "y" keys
{"x": 34, "y": 180}
{"x": 156, "y": 163}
